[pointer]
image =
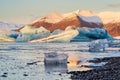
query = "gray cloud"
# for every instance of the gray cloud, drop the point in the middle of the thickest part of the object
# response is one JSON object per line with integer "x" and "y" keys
{"x": 114, "y": 5}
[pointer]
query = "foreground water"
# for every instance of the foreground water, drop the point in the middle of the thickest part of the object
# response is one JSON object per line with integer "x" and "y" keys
{"x": 25, "y": 61}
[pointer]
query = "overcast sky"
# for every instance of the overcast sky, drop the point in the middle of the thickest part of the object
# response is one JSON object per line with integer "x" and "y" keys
{"x": 24, "y": 11}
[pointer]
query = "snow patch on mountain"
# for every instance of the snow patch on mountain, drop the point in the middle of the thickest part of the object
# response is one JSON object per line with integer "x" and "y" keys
{"x": 54, "y": 17}
{"x": 87, "y": 16}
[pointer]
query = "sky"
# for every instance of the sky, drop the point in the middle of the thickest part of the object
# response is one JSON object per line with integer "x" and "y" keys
{"x": 25, "y": 11}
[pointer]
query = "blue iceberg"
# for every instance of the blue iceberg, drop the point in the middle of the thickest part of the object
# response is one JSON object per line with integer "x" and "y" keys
{"x": 88, "y": 34}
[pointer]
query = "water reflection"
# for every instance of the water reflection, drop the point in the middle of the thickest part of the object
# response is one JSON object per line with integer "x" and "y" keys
{"x": 73, "y": 62}
{"x": 62, "y": 68}
{"x": 77, "y": 65}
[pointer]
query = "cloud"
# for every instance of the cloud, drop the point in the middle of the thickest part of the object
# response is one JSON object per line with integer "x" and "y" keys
{"x": 114, "y": 5}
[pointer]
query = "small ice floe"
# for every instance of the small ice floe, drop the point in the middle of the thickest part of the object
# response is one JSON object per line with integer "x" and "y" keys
{"x": 55, "y": 58}
{"x": 98, "y": 45}
{"x": 114, "y": 43}
{"x": 98, "y": 64}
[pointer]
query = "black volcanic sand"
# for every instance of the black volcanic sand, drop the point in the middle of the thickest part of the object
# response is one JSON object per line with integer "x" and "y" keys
{"x": 109, "y": 71}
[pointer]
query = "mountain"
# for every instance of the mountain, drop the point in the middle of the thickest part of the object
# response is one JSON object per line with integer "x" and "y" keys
{"x": 80, "y": 18}
{"x": 9, "y": 25}
{"x": 61, "y": 21}
{"x": 109, "y": 17}
{"x": 6, "y": 28}
{"x": 71, "y": 20}
{"x": 111, "y": 21}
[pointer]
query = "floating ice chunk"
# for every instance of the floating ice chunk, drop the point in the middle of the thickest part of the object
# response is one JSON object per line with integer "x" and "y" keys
{"x": 98, "y": 45}
{"x": 114, "y": 43}
{"x": 55, "y": 58}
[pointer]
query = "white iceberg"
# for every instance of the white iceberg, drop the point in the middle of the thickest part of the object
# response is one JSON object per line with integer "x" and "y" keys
{"x": 29, "y": 37}
{"x": 98, "y": 45}
{"x": 64, "y": 36}
{"x": 31, "y": 30}
{"x": 55, "y": 58}
{"x": 30, "y": 33}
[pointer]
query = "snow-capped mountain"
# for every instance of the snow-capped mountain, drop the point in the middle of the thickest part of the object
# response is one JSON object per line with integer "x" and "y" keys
{"x": 71, "y": 20}
{"x": 80, "y": 18}
{"x": 86, "y": 18}
{"x": 54, "y": 17}
{"x": 61, "y": 21}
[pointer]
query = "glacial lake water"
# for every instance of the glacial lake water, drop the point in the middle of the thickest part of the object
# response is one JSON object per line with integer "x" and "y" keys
{"x": 25, "y": 61}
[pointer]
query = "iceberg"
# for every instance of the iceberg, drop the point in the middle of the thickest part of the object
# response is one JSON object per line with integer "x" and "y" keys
{"x": 5, "y": 38}
{"x": 89, "y": 34}
{"x": 29, "y": 37}
{"x": 31, "y": 30}
{"x": 64, "y": 36}
{"x": 95, "y": 33}
{"x": 29, "y": 33}
{"x": 55, "y": 58}
{"x": 98, "y": 45}
{"x": 70, "y": 34}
